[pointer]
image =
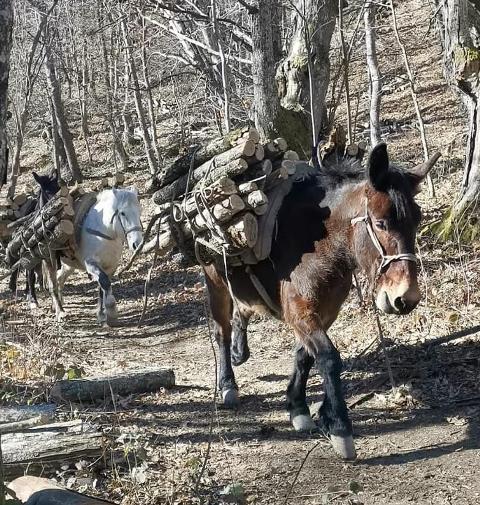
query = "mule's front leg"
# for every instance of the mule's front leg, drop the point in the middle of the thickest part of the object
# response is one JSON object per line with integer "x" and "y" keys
{"x": 333, "y": 412}
{"x": 221, "y": 309}
{"x": 107, "y": 305}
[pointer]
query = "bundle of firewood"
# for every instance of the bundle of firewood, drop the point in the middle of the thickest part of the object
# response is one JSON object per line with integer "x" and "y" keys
{"x": 13, "y": 209}
{"x": 217, "y": 191}
{"x": 41, "y": 232}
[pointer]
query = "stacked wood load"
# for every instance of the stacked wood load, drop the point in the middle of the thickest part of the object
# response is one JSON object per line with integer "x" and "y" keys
{"x": 42, "y": 232}
{"x": 13, "y": 209}
{"x": 217, "y": 192}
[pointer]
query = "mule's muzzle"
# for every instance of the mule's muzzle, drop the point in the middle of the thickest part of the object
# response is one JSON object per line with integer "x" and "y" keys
{"x": 400, "y": 304}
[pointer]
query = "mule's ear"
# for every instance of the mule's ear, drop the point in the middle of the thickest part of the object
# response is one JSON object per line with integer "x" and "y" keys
{"x": 54, "y": 174}
{"x": 36, "y": 177}
{"x": 377, "y": 168}
{"x": 133, "y": 189}
{"x": 421, "y": 171}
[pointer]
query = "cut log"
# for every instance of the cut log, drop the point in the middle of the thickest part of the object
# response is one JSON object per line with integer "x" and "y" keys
{"x": 257, "y": 156}
{"x": 276, "y": 177}
{"x": 256, "y": 199}
{"x": 207, "y": 173}
{"x": 291, "y": 155}
{"x": 260, "y": 210}
{"x": 252, "y": 134}
{"x": 40, "y": 491}
{"x": 100, "y": 388}
{"x": 216, "y": 148}
{"x": 222, "y": 211}
{"x": 212, "y": 194}
{"x": 40, "y": 223}
{"x": 50, "y": 445}
{"x": 247, "y": 187}
{"x": 281, "y": 144}
{"x": 244, "y": 231}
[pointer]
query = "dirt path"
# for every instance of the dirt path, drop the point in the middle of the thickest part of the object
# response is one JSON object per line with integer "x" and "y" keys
{"x": 420, "y": 446}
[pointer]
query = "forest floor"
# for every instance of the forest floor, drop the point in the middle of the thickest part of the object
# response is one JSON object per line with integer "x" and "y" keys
{"x": 418, "y": 444}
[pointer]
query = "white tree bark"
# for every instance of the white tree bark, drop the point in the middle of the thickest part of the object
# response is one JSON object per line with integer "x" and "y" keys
{"x": 374, "y": 76}
{"x": 6, "y": 25}
{"x": 459, "y": 29}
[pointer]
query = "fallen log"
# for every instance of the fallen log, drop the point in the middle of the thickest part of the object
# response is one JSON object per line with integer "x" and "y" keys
{"x": 101, "y": 388}
{"x": 40, "y": 491}
{"x": 50, "y": 445}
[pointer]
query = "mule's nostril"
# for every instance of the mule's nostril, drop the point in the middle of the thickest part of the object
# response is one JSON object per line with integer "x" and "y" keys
{"x": 400, "y": 304}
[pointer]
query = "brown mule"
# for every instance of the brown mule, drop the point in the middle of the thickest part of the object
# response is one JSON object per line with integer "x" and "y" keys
{"x": 341, "y": 219}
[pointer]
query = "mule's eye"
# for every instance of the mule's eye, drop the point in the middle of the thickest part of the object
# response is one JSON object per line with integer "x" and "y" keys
{"x": 381, "y": 224}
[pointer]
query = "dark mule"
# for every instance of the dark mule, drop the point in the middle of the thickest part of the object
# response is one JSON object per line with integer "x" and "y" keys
{"x": 336, "y": 221}
{"x": 48, "y": 187}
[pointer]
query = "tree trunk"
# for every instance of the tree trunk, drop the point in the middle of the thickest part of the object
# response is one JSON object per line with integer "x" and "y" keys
{"x": 60, "y": 119}
{"x": 374, "y": 76}
{"x": 118, "y": 149}
{"x": 152, "y": 162}
{"x": 459, "y": 22}
{"x": 281, "y": 111}
{"x": 303, "y": 76}
{"x": 6, "y": 25}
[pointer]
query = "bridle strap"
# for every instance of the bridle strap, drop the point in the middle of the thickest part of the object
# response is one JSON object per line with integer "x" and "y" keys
{"x": 100, "y": 234}
{"x": 116, "y": 214}
{"x": 386, "y": 258}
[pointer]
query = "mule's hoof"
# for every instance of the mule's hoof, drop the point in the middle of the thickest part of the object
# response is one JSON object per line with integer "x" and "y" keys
{"x": 303, "y": 422}
{"x": 33, "y": 306}
{"x": 230, "y": 398}
{"x": 344, "y": 446}
{"x": 238, "y": 357}
{"x": 60, "y": 316}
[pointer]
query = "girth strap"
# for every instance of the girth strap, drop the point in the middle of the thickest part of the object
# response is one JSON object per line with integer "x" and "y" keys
{"x": 98, "y": 234}
{"x": 263, "y": 292}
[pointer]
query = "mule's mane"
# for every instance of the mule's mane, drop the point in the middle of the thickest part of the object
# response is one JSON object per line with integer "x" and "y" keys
{"x": 120, "y": 196}
{"x": 337, "y": 171}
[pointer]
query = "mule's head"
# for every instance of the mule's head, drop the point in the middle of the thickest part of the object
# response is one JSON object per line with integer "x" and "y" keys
{"x": 49, "y": 186}
{"x": 385, "y": 231}
{"x": 128, "y": 213}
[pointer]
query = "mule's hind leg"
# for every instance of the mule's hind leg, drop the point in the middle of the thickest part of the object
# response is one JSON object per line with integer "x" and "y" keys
{"x": 239, "y": 349}
{"x": 31, "y": 289}
{"x": 296, "y": 391}
{"x": 221, "y": 308}
{"x": 107, "y": 307}
{"x": 51, "y": 269}
{"x": 62, "y": 275}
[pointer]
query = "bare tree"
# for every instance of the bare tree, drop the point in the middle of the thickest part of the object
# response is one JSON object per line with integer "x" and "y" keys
{"x": 59, "y": 113}
{"x": 374, "y": 76}
{"x": 149, "y": 151}
{"x": 6, "y": 25}
{"x": 303, "y": 76}
{"x": 459, "y": 22}
{"x": 32, "y": 70}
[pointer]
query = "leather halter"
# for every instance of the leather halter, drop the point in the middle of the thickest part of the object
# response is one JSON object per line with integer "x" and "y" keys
{"x": 386, "y": 258}
{"x": 100, "y": 234}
